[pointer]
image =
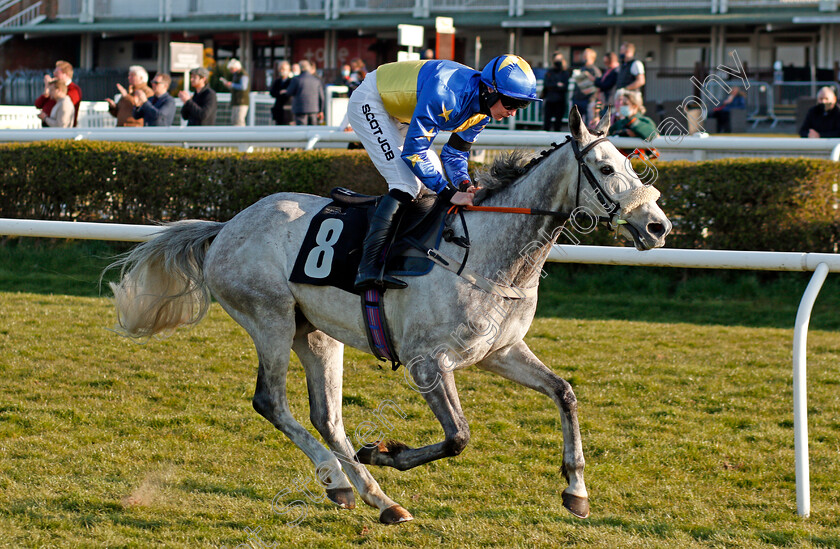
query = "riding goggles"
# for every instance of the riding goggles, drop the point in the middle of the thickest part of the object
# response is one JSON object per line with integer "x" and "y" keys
{"x": 512, "y": 103}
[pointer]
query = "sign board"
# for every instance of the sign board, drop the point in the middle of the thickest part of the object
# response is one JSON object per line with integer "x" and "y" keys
{"x": 185, "y": 56}
{"x": 445, "y": 25}
{"x": 408, "y": 56}
{"x": 410, "y": 35}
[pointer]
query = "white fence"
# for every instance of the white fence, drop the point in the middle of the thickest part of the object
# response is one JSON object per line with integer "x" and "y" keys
{"x": 263, "y": 137}
{"x": 820, "y": 263}
{"x": 94, "y": 114}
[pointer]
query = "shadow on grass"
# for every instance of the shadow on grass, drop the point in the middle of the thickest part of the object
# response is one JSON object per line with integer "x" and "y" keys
{"x": 52, "y": 266}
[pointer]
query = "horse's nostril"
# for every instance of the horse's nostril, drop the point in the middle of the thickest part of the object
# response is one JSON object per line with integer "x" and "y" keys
{"x": 657, "y": 229}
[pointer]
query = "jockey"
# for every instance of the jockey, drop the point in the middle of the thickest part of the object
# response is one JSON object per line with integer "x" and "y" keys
{"x": 399, "y": 109}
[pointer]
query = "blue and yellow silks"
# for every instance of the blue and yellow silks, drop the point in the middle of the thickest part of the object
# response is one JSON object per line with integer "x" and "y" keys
{"x": 433, "y": 96}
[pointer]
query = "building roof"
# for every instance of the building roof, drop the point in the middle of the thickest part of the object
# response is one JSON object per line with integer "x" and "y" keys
{"x": 565, "y": 19}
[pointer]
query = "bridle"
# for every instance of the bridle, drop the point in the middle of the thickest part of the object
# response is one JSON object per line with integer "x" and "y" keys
{"x": 609, "y": 206}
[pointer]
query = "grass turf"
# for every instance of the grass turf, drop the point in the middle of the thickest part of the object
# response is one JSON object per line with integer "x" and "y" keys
{"x": 686, "y": 425}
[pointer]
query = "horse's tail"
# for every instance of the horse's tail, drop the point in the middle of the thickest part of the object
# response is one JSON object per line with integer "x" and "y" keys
{"x": 162, "y": 282}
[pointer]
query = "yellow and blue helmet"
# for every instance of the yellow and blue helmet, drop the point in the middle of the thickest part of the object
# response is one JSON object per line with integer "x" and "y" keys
{"x": 511, "y": 77}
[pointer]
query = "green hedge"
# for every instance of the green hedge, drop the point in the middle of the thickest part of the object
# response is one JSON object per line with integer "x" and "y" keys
{"x": 781, "y": 204}
{"x": 136, "y": 183}
{"x": 737, "y": 204}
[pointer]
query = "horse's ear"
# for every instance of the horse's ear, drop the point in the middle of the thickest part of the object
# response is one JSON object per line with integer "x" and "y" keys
{"x": 576, "y": 125}
{"x": 604, "y": 125}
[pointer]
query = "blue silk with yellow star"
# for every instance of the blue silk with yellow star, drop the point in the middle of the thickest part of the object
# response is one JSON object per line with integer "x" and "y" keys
{"x": 433, "y": 96}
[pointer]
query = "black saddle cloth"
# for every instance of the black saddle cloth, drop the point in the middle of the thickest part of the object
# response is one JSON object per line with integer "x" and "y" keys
{"x": 332, "y": 249}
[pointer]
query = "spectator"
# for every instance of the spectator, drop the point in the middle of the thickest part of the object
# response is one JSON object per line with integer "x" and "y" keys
{"x": 631, "y": 121}
{"x": 343, "y": 78}
{"x": 606, "y": 82}
{"x": 295, "y": 69}
{"x": 45, "y": 102}
{"x": 585, "y": 90}
{"x": 238, "y": 86}
{"x": 555, "y": 93}
{"x": 631, "y": 74}
{"x": 63, "y": 72}
{"x": 428, "y": 53}
{"x": 159, "y": 109}
{"x": 281, "y": 112}
{"x": 735, "y": 100}
{"x": 61, "y": 114}
{"x": 359, "y": 71}
{"x": 823, "y": 119}
{"x": 307, "y": 93}
{"x": 200, "y": 108}
{"x": 123, "y": 110}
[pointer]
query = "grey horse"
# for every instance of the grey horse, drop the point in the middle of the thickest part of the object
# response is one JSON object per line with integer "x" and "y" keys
{"x": 439, "y": 324}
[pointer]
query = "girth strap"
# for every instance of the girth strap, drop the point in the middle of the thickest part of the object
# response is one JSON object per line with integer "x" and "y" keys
{"x": 379, "y": 337}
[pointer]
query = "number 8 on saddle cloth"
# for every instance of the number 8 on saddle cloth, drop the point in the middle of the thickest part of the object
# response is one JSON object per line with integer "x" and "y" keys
{"x": 332, "y": 249}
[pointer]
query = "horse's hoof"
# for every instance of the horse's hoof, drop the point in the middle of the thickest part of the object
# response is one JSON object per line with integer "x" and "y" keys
{"x": 365, "y": 454}
{"x": 576, "y": 505}
{"x": 343, "y": 497}
{"x": 382, "y": 453}
{"x": 395, "y": 514}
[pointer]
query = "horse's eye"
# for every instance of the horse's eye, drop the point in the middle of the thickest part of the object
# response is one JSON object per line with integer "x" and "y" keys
{"x": 607, "y": 170}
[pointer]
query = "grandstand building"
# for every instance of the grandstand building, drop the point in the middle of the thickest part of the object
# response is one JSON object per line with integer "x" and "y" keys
{"x": 672, "y": 37}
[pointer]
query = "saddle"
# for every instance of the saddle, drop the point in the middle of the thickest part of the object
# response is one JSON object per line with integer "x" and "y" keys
{"x": 332, "y": 249}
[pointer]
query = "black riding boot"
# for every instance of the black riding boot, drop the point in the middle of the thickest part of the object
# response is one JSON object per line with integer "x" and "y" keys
{"x": 377, "y": 236}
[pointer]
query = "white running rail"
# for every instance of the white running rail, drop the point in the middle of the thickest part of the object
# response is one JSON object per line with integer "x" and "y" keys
{"x": 249, "y": 137}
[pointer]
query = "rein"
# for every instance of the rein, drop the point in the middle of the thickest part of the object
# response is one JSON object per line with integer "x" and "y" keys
{"x": 613, "y": 208}
{"x": 526, "y": 211}
{"x": 608, "y": 205}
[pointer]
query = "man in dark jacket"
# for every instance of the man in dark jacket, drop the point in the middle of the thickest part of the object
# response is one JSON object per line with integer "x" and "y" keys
{"x": 631, "y": 73}
{"x": 823, "y": 119}
{"x": 281, "y": 112}
{"x": 555, "y": 93}
{"x": 200, "y": 108}
{"x": 307, "y": 94}
{"x": 158, "y": 110}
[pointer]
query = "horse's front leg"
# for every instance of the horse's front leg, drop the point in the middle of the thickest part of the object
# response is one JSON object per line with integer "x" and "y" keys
{"x": 438, "y": 388}
{"x": 519, "y": 364}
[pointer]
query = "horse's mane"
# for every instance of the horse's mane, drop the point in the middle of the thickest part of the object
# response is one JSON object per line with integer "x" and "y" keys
{"x": 507, "y": 168}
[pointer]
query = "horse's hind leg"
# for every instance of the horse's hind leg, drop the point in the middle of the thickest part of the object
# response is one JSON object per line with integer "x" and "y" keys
{"x": 273, "y": 335}
{"x": 322, "y": 358}
{"x": 519, "y": 364}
